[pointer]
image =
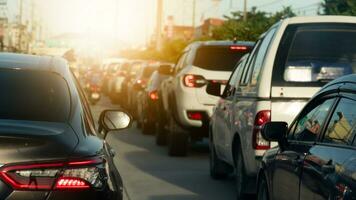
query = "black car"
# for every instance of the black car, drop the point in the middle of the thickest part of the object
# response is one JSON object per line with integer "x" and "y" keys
{"x": 316, "y": 156}
{"x": 49, "y": 147}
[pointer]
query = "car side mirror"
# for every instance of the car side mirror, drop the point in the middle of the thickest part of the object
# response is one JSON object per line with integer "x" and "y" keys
{"x": 214, "y": 88}
{"x": 114, "y": 120}
{"x": 275, "y": 131}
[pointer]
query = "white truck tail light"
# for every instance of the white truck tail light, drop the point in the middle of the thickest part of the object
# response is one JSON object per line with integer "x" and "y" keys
{"x": 258, "y": 142}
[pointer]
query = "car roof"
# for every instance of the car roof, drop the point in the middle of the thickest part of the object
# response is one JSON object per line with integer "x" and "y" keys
{"x": 219, "y": 43}
{"x": 33, "y": 62}
{"x": 342, "y": 80}
{"x": 320, "y": 19}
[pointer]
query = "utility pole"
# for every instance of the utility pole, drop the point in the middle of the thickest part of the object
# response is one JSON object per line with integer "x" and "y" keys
{"x": 245, "y": 10}
{"x": 159, "y": 24}
{"x": 20, "y": 24}
{"x": 194, "y": 12}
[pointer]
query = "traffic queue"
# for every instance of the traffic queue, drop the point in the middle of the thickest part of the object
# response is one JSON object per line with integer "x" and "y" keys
{"x": 274, "y": 116}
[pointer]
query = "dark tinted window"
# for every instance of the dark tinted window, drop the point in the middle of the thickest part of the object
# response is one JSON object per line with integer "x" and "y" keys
{"x": 219, "y": 58}
{"x": 316, "y": 53}
{"x": 342, "y": 126}
{"x": 33, "y": 96}
{"x": 309, "y": 125}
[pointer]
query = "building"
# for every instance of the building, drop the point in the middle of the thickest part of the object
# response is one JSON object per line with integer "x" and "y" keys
{"x": 178, "y": 32}
{"x": 206, "y": 29}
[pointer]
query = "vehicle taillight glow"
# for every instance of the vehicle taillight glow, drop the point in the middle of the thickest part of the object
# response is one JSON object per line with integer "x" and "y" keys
{"x": 153, "y": 95}
{"x": 81, "y": 174}
{"x": 238, "y": 48}
{"x": 259, "y": 143}
{"x": 71, "y": 183}
{"x": 194, "y": 115}
{"x": 194, "y": 81}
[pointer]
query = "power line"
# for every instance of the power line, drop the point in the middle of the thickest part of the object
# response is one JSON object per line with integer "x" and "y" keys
{"x": 269, "y": 4}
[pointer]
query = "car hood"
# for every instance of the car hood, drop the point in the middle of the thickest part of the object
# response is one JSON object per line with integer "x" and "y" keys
{"x": 28, "y": 141}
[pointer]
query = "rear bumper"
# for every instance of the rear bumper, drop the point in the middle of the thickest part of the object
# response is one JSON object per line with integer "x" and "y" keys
{"x": 65, "y": 195}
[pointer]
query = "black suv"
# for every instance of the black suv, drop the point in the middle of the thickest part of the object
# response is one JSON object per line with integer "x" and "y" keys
{"x": 316, "y": 157}
{"x": 49, "y": 147}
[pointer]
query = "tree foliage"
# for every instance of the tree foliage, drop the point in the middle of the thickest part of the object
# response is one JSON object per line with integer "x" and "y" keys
{"x": 234, "y": 27}
{"x": 339, "y": 7}
{"x": 258, "y": 22}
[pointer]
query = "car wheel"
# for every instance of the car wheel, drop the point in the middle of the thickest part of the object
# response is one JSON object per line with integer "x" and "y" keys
{"x": 218, "y": 168}
{"x": 177, "y": 142}
{"x": 240, "y": 175}
{"x": 161, "y": 135}
{"x": 146, "y": 127}
{"x": 262, "y": 193}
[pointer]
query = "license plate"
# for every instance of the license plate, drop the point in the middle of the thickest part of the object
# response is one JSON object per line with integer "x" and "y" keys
{"x": 95, "y": 96}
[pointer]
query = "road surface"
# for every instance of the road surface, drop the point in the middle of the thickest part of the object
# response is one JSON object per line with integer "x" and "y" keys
{"x": 150, "y": 174}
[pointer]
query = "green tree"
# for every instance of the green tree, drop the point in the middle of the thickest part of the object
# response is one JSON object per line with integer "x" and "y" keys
{"x": 258, "y": 22}
{"x": 339, "y": 7}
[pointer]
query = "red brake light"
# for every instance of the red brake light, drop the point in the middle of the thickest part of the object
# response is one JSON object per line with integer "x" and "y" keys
{"x": 194, "y": 81}
{"x": 154, "y": 95}
{"x": 238, "y": 48}
{"x": 195, "y": 115}
{"x": 63, "y": 175}
{"x": 259, "y": 143}
{"x": 71, "y": 183}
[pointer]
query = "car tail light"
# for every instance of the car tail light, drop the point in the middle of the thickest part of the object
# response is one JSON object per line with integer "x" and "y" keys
{"x": 153, "y": 95}
{"x": 195, "y": 115}
{"x": 65, "y": 175}
{"x": 194, "y": 81}
{"x": 259, "y": 143}
{"x": 238, "y": 48}
{"x": 94, "y": 88}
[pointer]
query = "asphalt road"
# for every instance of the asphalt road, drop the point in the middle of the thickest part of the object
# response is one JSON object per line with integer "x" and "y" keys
{"x": 150, "y": 174}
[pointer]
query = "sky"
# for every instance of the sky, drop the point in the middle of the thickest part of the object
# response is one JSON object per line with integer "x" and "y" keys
{"x": 133, "y": 21}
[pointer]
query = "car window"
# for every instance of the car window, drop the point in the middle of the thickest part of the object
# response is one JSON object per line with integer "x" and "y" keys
{"x": 342, "y": 126}
{"x": 217, "y": 58}
{"x": 230, "y": 87}
{"x": 244, "y": 80}
{"x": 258, "y": 62}
{"x": 180, "y": 62}
{"x": 309, "y": 125}
{"x": 313, "y": 54}
{"x": 48, "y": 102}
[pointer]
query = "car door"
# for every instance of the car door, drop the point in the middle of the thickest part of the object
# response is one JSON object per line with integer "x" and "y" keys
{"x": 330, "y": 165}
{"x": 288, "y": 163}
{"x": 222, "y": 114}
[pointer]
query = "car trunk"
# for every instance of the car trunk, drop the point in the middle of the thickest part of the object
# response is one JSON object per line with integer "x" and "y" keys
{"x": 24, "y": 141}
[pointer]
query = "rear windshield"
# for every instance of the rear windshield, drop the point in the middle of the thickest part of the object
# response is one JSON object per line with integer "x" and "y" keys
{"x": 33, "y": 96}
{"x": 320, "y": 53}
{"x": 218, "y": 58}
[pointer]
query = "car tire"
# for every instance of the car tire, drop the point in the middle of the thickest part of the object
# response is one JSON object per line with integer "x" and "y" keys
{"x": 147, "y": 127}
{"x": 240, "y": 175}
{"x": 178, "y": 144}
{"x": 161, "y": 135}
{"x": 177, "y": 141}
{"x": 218, "y": 168}
{"x": 262, "y": 192}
